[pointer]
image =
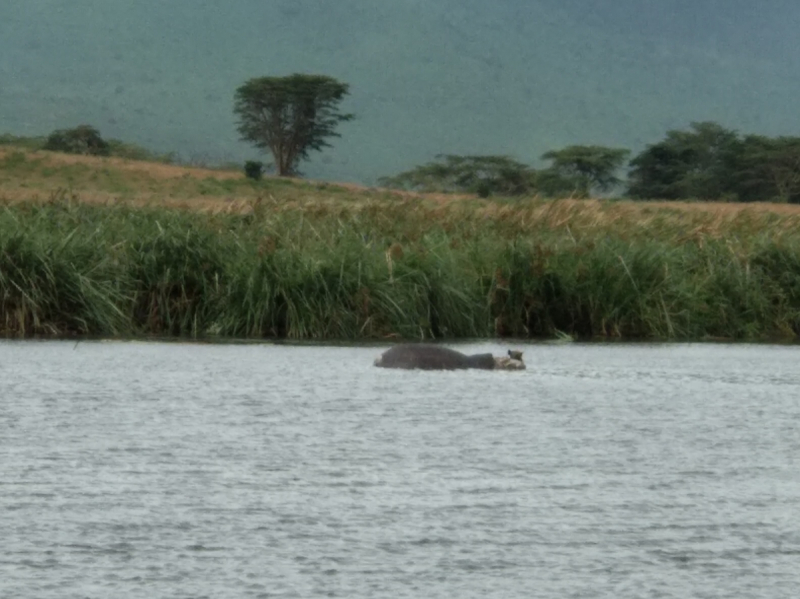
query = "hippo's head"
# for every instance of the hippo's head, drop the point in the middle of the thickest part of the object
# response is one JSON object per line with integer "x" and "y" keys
{"x": 511, "y": 362}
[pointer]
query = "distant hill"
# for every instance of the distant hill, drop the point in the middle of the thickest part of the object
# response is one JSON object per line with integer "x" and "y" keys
{"x": 514, "y": 77}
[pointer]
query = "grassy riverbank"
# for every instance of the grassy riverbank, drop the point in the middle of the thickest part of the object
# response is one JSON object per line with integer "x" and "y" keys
{"x": 107, "y": 247}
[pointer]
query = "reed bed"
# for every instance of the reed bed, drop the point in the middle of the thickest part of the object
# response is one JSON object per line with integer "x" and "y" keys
{"x": 349, "y": 267}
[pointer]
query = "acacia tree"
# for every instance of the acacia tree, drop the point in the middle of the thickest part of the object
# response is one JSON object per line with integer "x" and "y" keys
{"x": 587, "y": 167}
{"x": 768, "y": 169}
{"x": 484, "y": 175}
{"x": 290, "y": 116}
{"x": 701, "y": 163}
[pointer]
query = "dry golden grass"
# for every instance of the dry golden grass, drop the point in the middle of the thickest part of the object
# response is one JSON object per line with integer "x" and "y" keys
{"x": 44, "y": 176}
{"x": 154, "y": 170}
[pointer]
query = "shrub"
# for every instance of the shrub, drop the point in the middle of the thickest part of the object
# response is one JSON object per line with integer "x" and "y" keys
{"x": 83, "y": 139}
{"x": 253, "y": 169}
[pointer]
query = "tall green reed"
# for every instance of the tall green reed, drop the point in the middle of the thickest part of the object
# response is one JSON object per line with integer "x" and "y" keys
{"x": 56, "y": 282}
{"x": 376, "y": 271}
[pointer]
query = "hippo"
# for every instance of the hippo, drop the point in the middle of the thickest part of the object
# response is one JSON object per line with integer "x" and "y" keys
{"x": 433, "y": 357}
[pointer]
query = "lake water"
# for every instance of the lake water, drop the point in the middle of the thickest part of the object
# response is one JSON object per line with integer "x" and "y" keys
{"x": 148, "y": 470}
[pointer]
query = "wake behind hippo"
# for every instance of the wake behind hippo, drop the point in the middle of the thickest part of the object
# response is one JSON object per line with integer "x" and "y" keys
{"x": 433, "y": 357}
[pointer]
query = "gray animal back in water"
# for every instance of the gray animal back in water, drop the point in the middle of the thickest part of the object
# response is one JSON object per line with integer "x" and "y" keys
{"x": 433, "y": 357}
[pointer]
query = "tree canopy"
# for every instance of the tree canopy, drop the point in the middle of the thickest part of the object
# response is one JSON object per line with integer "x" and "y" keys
{"x": 769, "y": 169}
{"x": 290, "y": 116}
{"x": 484, "y": 175}
{"x": 587, "y": 168}
{"x": 687, "y": 164}
{"x": 709, "y": 162}
{"x": 83, "y": 139}
{"x": 575, "y": 171}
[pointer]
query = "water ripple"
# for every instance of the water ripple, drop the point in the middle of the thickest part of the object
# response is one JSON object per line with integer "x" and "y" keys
{"x": 181, "y": 470}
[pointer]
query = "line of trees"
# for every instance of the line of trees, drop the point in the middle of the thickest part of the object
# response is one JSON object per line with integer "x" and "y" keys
{"x": 705, "y": 162}
{"x": 577, "y": 171}
{"x": 289, "y": 117}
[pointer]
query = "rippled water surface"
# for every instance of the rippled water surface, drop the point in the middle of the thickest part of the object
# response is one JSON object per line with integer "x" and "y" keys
{"x": 178, "y": 470}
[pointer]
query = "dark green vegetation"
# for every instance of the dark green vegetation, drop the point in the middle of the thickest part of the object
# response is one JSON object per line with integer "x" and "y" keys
{"x": 707, "y": 162}
{"x": 333, "y": 264}
{"x": 83, "y": 139}
{"x": 290, "y": 116}
{"x": 254, "y": 170}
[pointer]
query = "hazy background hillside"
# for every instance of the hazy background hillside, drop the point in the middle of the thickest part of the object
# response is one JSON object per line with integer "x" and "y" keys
{"x": 515, "y": 77}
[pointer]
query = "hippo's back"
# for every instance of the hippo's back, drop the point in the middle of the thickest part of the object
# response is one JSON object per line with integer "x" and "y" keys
{"x": 424, "y": 357}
